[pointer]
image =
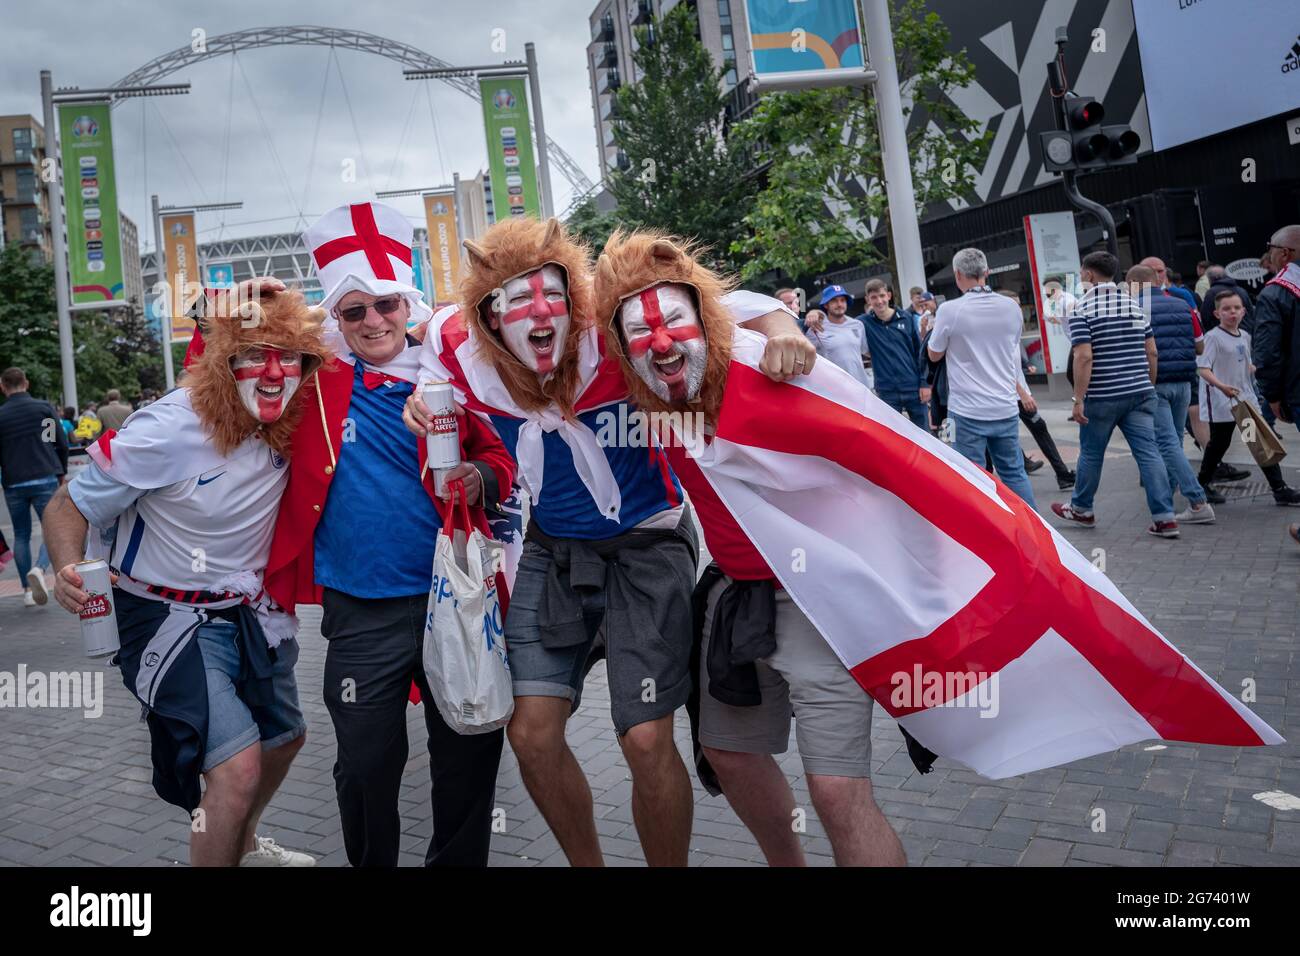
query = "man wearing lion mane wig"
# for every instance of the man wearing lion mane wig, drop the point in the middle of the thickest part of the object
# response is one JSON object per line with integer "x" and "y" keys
{"x": 182, "y": 503}
{"x": 667, "y": 321}
{"x": 610, "y": 544}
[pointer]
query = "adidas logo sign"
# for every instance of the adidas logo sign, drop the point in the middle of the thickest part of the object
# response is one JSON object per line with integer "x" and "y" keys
{"x": 1291, "y": 62}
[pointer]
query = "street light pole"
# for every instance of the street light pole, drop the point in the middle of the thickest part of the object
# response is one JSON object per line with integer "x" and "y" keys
{"x": 543, "y": 161}
{"x": 165, "y": 317}
{"x": 905, "y": 228}
{"x": 54, "y": 196}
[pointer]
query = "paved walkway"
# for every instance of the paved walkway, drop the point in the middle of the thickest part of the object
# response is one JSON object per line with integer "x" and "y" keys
{"x": 75, "y": 791}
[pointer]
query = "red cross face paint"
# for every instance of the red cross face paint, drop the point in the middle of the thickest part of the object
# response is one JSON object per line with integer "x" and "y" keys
{"x": 532, "y": 313}
{"x": 665, "y": 341}
{"x": 266, "y": 378}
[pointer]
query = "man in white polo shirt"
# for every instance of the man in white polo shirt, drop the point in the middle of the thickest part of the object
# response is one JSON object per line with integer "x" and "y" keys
{"x": 980, "y": 335}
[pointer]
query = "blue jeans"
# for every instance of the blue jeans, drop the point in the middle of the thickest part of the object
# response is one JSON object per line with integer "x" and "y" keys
{"x": 1135, "y": 416}
{"x": 233, "y": 723}
{"x": 21, "y": 501}
{"x": 907, "y": 402}
{"x": 971, "y": 436}
{"x": 1171, "y": 411}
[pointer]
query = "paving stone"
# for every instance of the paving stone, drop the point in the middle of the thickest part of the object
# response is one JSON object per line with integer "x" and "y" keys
{"x": 77, "y": 792}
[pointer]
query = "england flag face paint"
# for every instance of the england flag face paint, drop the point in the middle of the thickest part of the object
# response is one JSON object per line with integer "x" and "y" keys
{"x": 665, "y": 341}
{"x": 532, "y": 313}
{"x": 267, "y": 378}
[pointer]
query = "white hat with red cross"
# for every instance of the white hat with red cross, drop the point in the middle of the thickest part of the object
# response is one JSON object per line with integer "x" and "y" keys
{"x": 365, "y": 246}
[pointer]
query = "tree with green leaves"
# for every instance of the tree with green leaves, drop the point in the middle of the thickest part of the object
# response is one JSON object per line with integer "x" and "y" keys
{"x": 824, "y": 197}
{"x": 588, "y": 223}
{"x": 110, "y": 350}
{"x": 682, "y": 174}
{"x": 29, "y": 330}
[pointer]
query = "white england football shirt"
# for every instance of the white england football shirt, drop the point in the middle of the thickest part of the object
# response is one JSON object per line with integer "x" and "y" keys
{"x": 190, "y": 534}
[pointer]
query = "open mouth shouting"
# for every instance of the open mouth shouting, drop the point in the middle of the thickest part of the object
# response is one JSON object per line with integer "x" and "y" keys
{"x": 542, "y": 341}
{"x": 266, "y": 378}
{"x": 670, "y": 369}
{"x": 532, "y": 316}
{"x": 665, "y": 341}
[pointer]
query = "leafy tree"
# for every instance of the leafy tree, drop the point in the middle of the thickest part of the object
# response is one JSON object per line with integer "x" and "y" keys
{"x": 29, "y": 331}
{"x": 823, "y": 191}
{"x": 110, "y": 351}
{"x": 588, "y": 223}
{"x": 682, "y": 174}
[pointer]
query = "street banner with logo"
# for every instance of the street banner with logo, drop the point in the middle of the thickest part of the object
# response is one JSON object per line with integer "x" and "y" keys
{"x": 90, "y": 198}
{"x": 511, "y": 161}
{"x": 800, "y": 44}
{"x": 182, "y": 268}
{"x": 1054, "y": 266}
{"x": 219, "y": 275}
{"x": 444, "y": 245}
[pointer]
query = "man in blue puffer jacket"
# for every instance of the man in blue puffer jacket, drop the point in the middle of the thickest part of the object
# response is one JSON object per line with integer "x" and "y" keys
{"x": 1178, "y": 340}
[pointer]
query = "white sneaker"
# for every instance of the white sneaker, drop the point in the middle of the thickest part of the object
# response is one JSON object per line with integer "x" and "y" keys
{"x": 36, "y": 581}
{"x": 270, "y": 853}
{"x": 1202, "y": 515}
{"x": 28, "y": 600}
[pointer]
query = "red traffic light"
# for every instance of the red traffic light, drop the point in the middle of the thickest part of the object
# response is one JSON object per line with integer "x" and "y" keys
{"x": 1083, "y": 112}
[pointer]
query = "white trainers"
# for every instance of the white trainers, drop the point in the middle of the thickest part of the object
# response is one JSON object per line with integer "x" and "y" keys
{"x": 270, "y": 853}
{"x": 28, "y": 600}
{"x": 1202, "y": 515}
{"x": 36, "y": 581}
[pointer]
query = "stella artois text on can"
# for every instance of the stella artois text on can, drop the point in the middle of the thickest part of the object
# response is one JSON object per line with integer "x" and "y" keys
{"x": 444, "y": 442}
{"x": 98, "y": 616}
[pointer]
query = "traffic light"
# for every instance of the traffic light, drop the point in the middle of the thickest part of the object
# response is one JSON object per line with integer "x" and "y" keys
{"x": 1085, "y": 143}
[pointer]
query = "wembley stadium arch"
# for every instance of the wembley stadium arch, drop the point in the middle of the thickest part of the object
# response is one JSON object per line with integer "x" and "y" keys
{"x": 409, "y": 56}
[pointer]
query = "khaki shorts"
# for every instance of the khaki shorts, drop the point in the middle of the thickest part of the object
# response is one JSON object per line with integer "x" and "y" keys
{"x": 832, "y": 713}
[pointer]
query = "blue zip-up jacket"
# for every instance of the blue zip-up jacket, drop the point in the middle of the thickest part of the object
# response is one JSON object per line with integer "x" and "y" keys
{"x": 1175, "y": 335}
{"x": 895, "y": 352}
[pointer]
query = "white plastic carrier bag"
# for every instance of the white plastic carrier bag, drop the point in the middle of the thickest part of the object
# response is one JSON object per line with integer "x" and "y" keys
{"x": 464, "y": 643}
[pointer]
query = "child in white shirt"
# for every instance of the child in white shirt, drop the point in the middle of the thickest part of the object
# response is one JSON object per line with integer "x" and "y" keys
{"x": 1227, "y": 377}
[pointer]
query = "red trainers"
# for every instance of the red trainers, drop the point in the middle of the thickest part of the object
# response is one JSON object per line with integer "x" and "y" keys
{"x": 1164, "y": 529}
{"x": 1063, "y": 510}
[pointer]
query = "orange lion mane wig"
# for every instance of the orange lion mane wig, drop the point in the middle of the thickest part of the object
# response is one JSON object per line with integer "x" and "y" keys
{"x": 508, "y": 250}
{"x": 634, "y": 261}
{"x": 280, "y": 319}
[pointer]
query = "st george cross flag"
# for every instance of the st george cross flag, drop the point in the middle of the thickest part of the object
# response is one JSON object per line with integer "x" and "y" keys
{"x": 969, "y": 619}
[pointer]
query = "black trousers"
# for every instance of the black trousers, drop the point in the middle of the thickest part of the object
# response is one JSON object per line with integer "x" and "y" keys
{"x": 1220, "y": 442}
{"x": 1038, "y": 428}
{"x": 374, "y": 654}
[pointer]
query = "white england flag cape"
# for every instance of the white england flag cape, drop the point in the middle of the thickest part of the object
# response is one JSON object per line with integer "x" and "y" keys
{"x": 963, "y": 614}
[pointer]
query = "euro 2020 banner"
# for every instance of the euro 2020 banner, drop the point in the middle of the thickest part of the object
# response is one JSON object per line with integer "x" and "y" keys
{"x": 510, "y": 147}
{"x": 90, "y": 197}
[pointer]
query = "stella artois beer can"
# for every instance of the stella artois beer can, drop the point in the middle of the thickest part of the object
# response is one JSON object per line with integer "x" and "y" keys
{"x": 444, "y": 442}
{"x": 98, "y": 616}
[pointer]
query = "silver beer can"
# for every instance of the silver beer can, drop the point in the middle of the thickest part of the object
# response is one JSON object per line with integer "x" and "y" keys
{"x": 444, "y": 442}
{"x": 98, "y": 615}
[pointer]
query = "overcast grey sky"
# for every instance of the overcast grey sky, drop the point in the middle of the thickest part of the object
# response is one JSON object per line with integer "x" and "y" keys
{"x": 177, "y": 146}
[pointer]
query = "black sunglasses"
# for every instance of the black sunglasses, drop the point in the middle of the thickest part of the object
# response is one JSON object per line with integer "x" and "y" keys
{"x": 385, "y": 306}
